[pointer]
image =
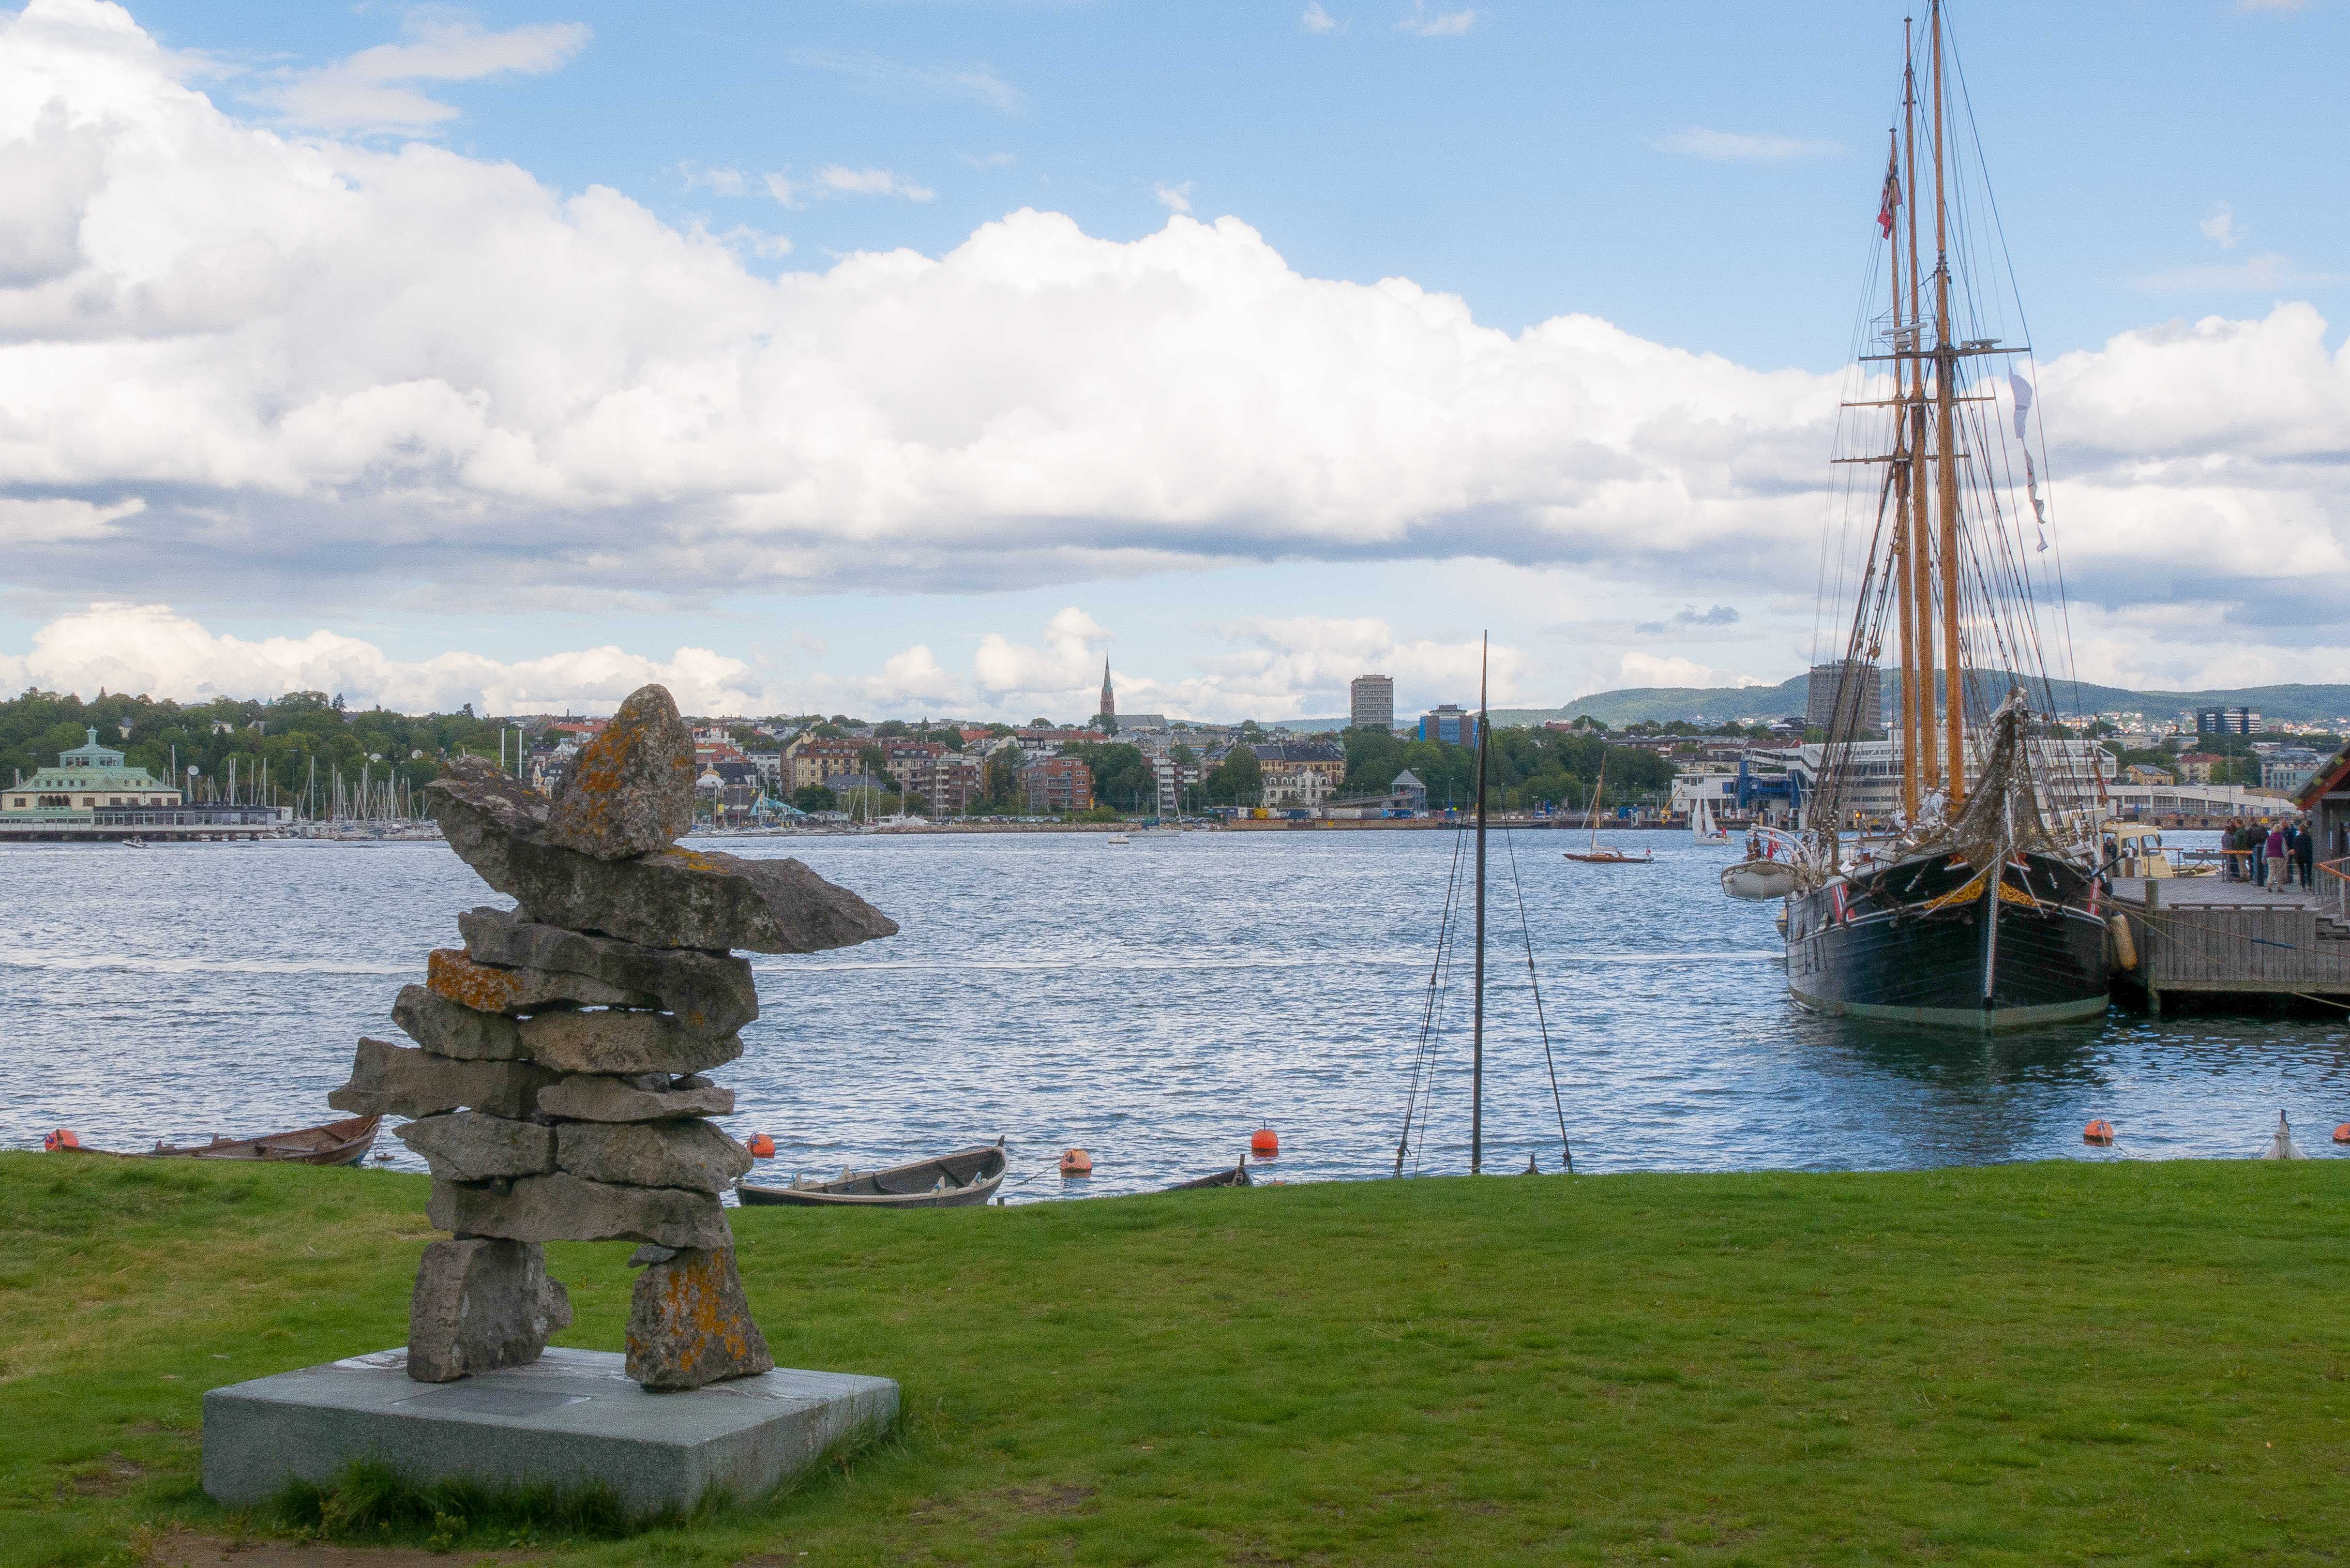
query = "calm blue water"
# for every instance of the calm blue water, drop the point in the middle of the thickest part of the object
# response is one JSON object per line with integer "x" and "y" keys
{"x": 1151, "y": 1003}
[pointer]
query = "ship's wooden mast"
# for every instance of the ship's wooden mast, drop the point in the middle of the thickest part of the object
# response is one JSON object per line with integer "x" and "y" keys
{"x": 1946, "y": 364}
{"x": 1905, "y": 528}
{"x": 1922, "y": 741}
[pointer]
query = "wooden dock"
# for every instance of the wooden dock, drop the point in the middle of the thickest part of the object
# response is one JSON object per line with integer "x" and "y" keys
{"x": 2200, "y": 935}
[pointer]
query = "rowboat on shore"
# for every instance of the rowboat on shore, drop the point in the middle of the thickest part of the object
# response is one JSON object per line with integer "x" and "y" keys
{"x": 1237, "y": 1176}
{"x": 956, "y": 1180}
{"x": 344, "y": 1142}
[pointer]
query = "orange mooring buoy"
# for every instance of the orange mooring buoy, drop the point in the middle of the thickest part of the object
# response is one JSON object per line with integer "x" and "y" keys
{"x": 62, "y": 1138}
{"x": 2099, "y": 1131}
{"x": 1076, "y": 1162}
{"x": 2342, "y": 1132}
{"x": 761, "y": 1146}
{"x": 1264, "y": 1143}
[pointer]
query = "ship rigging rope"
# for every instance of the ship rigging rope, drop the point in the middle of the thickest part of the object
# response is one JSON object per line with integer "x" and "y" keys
{"x": 1527, "y": 930}
{"x": 1429, "y": 1017}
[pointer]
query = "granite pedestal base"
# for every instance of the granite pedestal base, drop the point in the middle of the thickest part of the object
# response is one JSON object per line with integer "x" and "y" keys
{"x": 571, "y": 1419}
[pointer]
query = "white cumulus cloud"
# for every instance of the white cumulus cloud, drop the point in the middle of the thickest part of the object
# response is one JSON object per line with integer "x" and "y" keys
{"x": 355, "y": 373}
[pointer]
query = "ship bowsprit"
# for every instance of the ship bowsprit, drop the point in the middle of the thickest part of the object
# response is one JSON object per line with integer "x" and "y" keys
{"x": 1932, "y": 939}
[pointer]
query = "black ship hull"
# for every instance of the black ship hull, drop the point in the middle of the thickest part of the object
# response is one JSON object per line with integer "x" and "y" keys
{"x": 1929, "y": 939}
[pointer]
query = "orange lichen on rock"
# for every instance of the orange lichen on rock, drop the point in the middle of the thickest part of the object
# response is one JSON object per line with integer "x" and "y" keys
{"x": 449, "y": 972}
{"x": 690, "y": 1324}
{"x": 629, "y": 791}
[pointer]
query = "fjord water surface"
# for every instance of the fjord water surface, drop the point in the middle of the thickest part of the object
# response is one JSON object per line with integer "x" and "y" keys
{"x": 1151, "y": 1002}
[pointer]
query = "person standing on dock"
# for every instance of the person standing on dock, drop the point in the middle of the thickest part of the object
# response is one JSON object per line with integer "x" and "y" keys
{"x": 2273, "y": 857}
{"x": 2304, "y": 855}
{"x": 2256, "y": 839}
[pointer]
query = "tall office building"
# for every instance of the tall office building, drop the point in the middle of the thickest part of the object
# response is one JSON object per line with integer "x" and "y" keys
{"x": 2228, "y": 721}
{"x": 1370, "y": 702}
{"x": 1828, "y": 690}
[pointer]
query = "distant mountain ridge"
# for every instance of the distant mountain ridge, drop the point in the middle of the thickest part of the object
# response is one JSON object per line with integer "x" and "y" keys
{"x": 1719, "y": 704}
{"x": 2299, "y": 703}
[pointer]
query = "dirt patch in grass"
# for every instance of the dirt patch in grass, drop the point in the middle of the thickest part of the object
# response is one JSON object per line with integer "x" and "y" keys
{"x": 109, "y": 1475}
{"x": 190, "y": 1551}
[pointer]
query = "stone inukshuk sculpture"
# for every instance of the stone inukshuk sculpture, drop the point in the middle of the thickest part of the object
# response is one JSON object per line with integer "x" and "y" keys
{"x": 557, "y": 1081}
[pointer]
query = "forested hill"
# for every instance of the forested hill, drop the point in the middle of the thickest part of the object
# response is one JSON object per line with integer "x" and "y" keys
{"x": 1745, "y": 703}
{"x": 288, "y": 735}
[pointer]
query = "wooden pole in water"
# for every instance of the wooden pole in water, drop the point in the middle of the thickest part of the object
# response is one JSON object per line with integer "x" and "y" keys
{"x": 1477, "y": 1014}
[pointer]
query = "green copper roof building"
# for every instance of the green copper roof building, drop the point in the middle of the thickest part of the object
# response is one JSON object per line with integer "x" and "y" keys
{"x": 84, "y": 778}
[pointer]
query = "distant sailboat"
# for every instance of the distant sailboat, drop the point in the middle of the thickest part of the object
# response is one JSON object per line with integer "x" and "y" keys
{"x": 1594, "y": 856}
{"x": 1702, "y": 827}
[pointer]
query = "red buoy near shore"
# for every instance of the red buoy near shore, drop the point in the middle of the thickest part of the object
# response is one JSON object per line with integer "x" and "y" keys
{"x": 63, "y": 1137}
{"x": 2342, "y": 1132}
{"x": 2099, "y": 1132}
{"x": 1076, "y": 1162}
{"x": 1264, "y": 1143}
{"x": 761, "y": 1146}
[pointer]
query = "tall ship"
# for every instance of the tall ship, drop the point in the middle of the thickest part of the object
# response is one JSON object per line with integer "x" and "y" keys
{"x": 1969, "y": 895}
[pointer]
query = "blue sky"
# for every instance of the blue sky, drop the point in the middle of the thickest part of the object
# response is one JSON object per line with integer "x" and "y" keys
{"x": 1699, "y": 177}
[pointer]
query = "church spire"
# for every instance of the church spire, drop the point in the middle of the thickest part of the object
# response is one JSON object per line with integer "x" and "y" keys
{"x": 1109, "y": 702}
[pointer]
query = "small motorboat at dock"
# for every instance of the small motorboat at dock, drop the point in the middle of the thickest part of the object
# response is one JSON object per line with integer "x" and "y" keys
{"x": 1237, "y": 1176}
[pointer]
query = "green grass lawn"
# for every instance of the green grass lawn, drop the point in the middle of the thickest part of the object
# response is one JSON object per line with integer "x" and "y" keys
{"x": 2028, "y": 1364}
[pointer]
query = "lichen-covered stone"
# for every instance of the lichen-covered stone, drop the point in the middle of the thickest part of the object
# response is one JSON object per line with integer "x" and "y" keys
{"x": 402, "y": 1081}
{"x": 690, "y": 1323}
{"x": 675, "y": 899}
{"x": 452, "y": 973}
{"x": 480, "y": 1305}
{"x": 561, "y": 1208}
{"x": 446, "y": 1028}
{"x": 631, "y": 789}
{"x": 691, "y": 1154}
{"x": 474, "y": 1146}
{"x": 593, "y": 1098}
{"x": 622, "y": 1043}
{"x": 710, "y": 994}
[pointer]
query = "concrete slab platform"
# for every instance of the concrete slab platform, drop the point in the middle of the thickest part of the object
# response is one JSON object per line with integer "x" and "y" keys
{"x": 571, "y": 1419}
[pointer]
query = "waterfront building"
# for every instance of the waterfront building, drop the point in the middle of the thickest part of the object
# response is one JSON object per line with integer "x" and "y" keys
{"x": 1829, "y": 687}
{"x": 811, "y": 759}
{"x": 1715, "y": 786}
{"x": 2194, "y": 768}
{"x": 1370, "y": 702}
{"x": 1301, "y": 773}
{"x": 2287, "y": 768}
{"x": 2141, "y": 773}
{"x": 951, "y": 784}
{"x": 1408, "y": 793}
{"x": 2078, "y": 775}
{"x": 909, "y": 761}
{"x": 1057, "y": 783}
{"x": 1449, "y": 724}
{"x": 86, "y": 779}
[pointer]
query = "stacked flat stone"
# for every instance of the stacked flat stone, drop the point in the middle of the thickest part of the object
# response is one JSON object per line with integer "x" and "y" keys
{"x": 559, "y": 1074}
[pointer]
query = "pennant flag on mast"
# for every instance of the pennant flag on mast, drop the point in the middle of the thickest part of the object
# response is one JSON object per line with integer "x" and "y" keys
{"x": 2023, "y": 390}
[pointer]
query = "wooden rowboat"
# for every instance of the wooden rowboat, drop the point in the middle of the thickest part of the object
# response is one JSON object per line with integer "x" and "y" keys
{"x": 344, "y": 1142}
{"x": 1610, "y": 857}
{"x": 1237, "y": 1176}
{"x": 956, "y": 1180}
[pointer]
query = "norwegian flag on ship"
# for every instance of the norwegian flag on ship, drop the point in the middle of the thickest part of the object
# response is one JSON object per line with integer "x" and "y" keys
{"x": 1890, "y": 202}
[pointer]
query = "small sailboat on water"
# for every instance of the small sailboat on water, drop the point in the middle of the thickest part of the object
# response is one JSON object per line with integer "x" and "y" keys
{"x": 1702, "y": 827}
{"x": 1594, "y": 856}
